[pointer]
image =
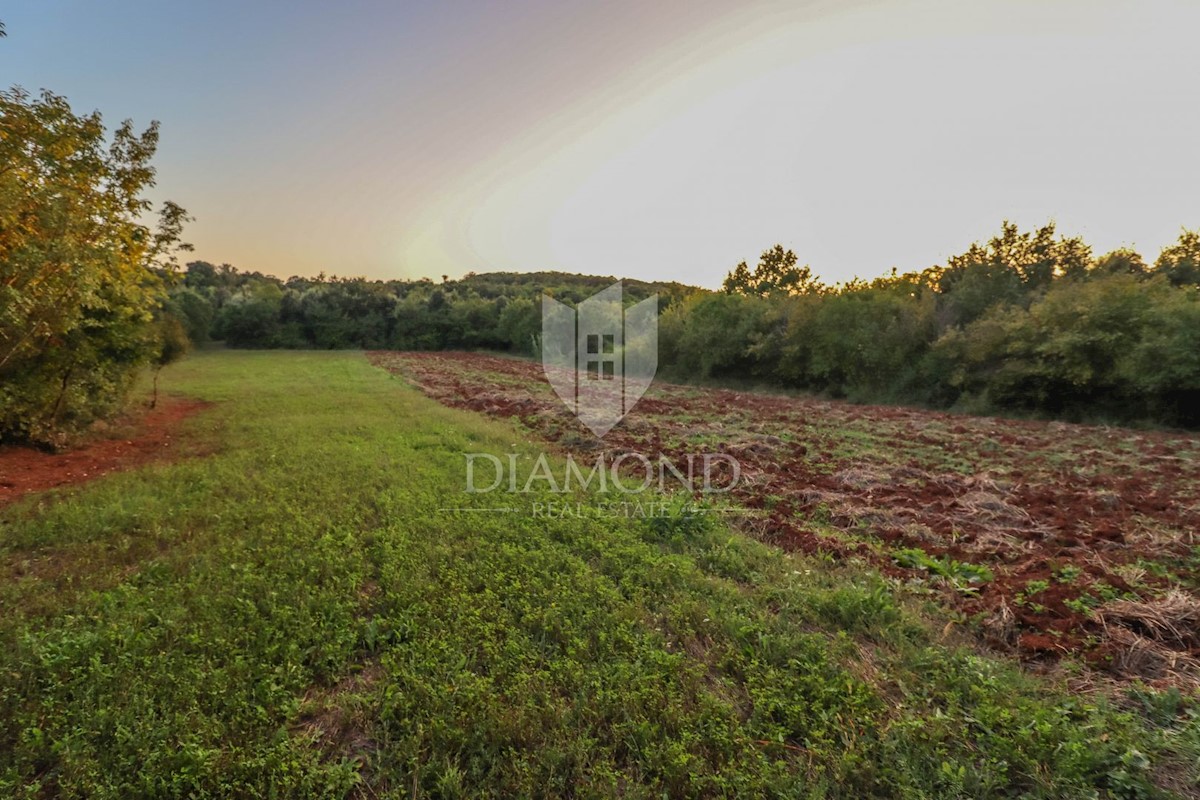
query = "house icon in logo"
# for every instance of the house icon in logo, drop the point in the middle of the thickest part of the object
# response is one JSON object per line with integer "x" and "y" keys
{"x": 602, "y": 358}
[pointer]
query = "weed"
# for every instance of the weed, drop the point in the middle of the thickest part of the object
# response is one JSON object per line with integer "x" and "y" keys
{"x": 960, "y": 574}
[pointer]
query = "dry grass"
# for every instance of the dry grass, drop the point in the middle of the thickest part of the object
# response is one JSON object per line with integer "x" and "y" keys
{"x": 1138, "y": 656}
{"x": 1001, "y": 624}
{"x": 862, "y": 479}
{"x": 988, "y": 505}
{"x": 1172, "y": 618}
{"x": 1154, "y": 637}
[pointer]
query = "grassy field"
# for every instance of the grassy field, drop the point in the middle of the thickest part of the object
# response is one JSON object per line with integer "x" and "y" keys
{"x": 289, "y": 612}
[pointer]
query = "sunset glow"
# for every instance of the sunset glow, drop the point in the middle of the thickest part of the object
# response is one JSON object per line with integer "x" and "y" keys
{"x": 664, "y": 143}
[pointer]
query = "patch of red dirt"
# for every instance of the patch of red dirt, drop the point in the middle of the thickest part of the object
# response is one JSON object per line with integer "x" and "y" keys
{"x": 150, "y": 438}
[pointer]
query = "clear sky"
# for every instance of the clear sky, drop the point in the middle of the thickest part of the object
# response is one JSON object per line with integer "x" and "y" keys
{"x": 659, "y": 140}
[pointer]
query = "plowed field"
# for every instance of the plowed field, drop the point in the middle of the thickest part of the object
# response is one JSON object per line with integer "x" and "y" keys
{"x": 1050, "y": 538}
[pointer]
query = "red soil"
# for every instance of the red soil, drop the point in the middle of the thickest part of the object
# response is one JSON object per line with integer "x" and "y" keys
{"x": 150, "y": 438}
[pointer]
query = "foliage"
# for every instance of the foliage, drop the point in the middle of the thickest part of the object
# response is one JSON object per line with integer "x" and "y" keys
{"x": 171, "y": 344}
{"x": 1115, "y": 346}
{"x": 496, "y": 311}
{"x": 1007, "y": 270}
{"x": 864, "y": 341}
{"x": 710, "y": 335}
{"x": 959, "y": 573}
{"x": 81, "y": 277}
{"x": 776, "y": 275}
{"x": 194, "y": 311}
{"x": 1026, "y": 322}
{"x": 1180, "y": 262}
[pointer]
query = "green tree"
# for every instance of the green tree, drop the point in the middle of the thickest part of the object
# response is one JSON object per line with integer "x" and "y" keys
{"x": 776, "y": 275}
{"x": 710, "y": 335}
{"x": 251, "y": 318}
{"x": 1067, "y": 354}
{"x": 81, "y": 276}
{"x": 1163, "y": 367}
{"x": 1180, "y": 262}
{"x": 520, "y": 325}
{"x": 171, "y": 343}
{"x": 1122, "y": 261}
{"x": 194, "y": 311}
{"x": 866, "y": 340}
{"x": 1009, "y": 269}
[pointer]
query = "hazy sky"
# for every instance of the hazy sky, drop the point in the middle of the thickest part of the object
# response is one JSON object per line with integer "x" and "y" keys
{"x": 662, "y": 140}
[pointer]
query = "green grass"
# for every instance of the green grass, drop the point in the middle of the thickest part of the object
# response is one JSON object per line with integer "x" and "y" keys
{"x": 292, "y": 616}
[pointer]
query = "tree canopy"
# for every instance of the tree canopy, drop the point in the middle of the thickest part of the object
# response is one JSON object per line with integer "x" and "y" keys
{"x": 81, "y": 273}
{"x": 776, "y": 275}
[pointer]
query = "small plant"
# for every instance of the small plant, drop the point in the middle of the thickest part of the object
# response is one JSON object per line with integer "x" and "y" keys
{"x": 1068, "y": 574}
{"x": 1108, "y": 592}
{"x": 1154, "y": 568}
{"x": 1084, "y": 604}
{"x": 959, "y": 573}
{"x": 1128, "y": 776}
{"x": 821, "y": 514}
{"x": 1032, "y": 589}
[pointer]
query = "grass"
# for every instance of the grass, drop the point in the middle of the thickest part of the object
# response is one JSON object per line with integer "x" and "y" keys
{"x": 293, "y": 615}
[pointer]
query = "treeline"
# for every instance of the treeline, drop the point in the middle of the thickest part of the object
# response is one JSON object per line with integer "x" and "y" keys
{"x": 494, "y": 311}
{"x": 1027, "y": 322}
{"x": 83, "y": 281}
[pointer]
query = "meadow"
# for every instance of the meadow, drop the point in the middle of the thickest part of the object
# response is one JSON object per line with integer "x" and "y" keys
{"x": 303, "y": 601}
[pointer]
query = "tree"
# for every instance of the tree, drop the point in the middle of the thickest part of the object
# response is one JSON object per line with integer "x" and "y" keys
{"x": 1068, "y": 353}
{"x": 1163, "y": 368}
{"x": 81, "y": 276}
{"x": 775, "y": 276}
{"x": 194, "y": 310}
{"x": 251, "y": 318}
{"x": 710, "y": 335}
{"x": 865, "y": 340}
{"x": 520, "y": 325}
{"x": 170, "y": 344}
{"x": 1121, "y": 262}
{"x": 1181, "y": 261}
{"x": 1010, "y": 269}
{"x": 200, "y": 275}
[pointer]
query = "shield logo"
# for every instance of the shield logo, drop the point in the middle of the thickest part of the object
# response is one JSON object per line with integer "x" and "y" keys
{"x": 601, "y": 358}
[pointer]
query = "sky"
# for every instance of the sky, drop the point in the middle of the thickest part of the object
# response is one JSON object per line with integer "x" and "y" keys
{"x": 662, "y": 140}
